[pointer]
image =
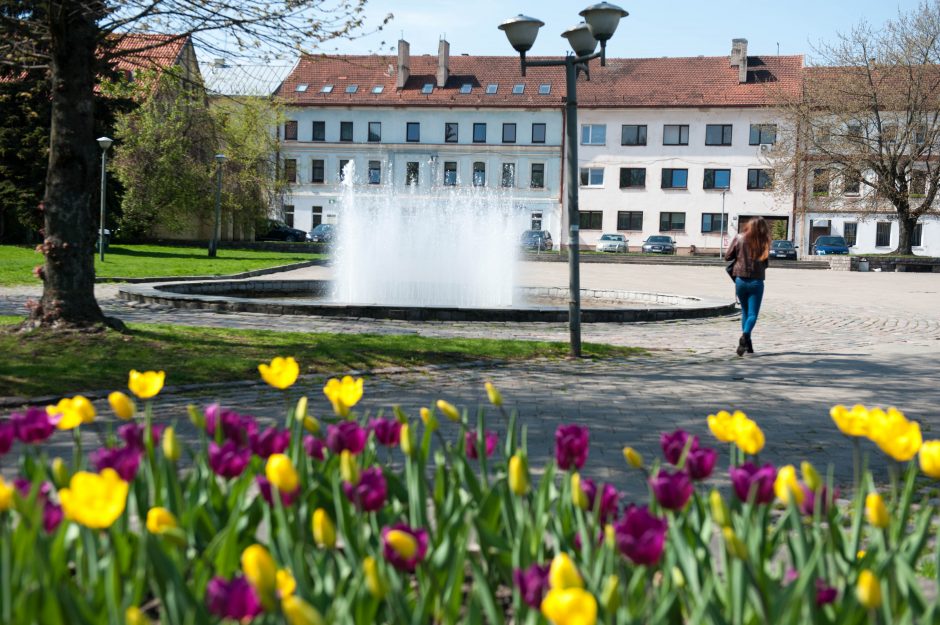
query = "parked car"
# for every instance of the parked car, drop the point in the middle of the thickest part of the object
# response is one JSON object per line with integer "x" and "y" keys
{"x": 280, "y": 231}
{"x": 537, "y": 240}
{"x": 322, "y": 233}
{"x": 659, "y": 244}
{"x": 825, "y": 246}
{"x": 783, "y": 249}
{"x": 612, "y": 243}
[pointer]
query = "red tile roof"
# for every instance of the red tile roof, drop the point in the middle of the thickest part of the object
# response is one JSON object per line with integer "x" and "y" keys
{"x": 147, "y": 51}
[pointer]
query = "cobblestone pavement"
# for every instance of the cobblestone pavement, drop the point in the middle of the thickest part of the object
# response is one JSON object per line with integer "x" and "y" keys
{"x": 823, "y": 338}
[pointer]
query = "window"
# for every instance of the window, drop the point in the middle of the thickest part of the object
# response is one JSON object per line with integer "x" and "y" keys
{"x": 536, "y": 221}
{"x": 920, "y": 134}
{"x": 593, "y": 134}
{"x": 538, "y": 133}
{"x": 852, "y": 182}
{"x": 413, "y": 132}
{"x": 290, "y": 131}
{"x": 378, "y": 89}
{"x": 592, "y": 176}
{"x": 545, "y": 89}
{"x": 301, "y": 88}
{"x": 760, "y": 179}
{"x": 823, "y": 135}
{"x": 718, "y": 134}
{"x": 632, "y": 134}
{"x": 289, "y": 215}
{"x": 411, "y": 173}
{"x": 509, "y": 133}
{"x": 491, "y": 88}
{"x": 326, "y": 89}
{"x": 629, "y": 220}
{"x": 479, "y": 174}
{"x": 763, "y": 133}
{"x": 508, "y": 179}
{"x": 675, "y": 178}
{"x": 375, "y": 131}
{"x": 674, "y": 134}
{"x": 319, "y": 131}
{"x": 854, "y": 131}
{"x": 717, "y": 179}
{"x": 849, "y": 232}
{"x": 479, "y": 133}
{"x": 290, "y": 169}
{"x": 352, "y": 88}
{"x": 537, "y": 181}
{"x": 883, "y": 234}
{"x": 714, "y": 222}
{"x": 671, "y": 221}
{"x": 466, "y": 87}
{"x": 821, "y": 180}
{"x": 916, "y": 235}
{"x": 316, "y": 217}
{"x": 427, "y": 88}
{"x": 345, "y": 131}
{"x": 450, "y": 132}
{"x": 918, "y": 183}
{"x": 450, "y": 173}
{"x": 632, "y": 177}
{"x": 518, "y": 88}
{"x": 318, "y": 171}
{"x": 889, "y": 134}
{"x": 591, "y": 220}
{"x": 342, "y": 168}
{"x": 375, "y": 172}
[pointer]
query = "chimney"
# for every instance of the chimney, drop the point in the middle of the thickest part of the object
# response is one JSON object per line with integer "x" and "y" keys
{"x": 738, "y": 58}
{"x": 404, "y": 64}
{"x": 443, "y": 63}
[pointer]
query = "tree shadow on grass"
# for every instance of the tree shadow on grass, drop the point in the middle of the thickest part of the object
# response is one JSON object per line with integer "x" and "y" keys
{"x": 195, "y": 254}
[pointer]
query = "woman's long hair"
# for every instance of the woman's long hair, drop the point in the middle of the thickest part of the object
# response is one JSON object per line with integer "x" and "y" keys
{"x": 757, "y": 238}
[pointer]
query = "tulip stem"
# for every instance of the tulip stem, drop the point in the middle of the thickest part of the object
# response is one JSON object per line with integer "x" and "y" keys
{"x": 5, "y": 569}
{"x": 77, "y": 460}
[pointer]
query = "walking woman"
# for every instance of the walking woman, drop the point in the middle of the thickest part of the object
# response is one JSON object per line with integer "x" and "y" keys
{"x": 749, "y": 251}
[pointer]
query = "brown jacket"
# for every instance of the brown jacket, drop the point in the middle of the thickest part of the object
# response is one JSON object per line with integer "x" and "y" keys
{"x": 744, "y": 266}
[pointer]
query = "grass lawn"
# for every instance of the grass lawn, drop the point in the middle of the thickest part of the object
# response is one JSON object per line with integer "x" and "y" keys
{"x": 141, "y": 261}
{"x": 65, "y": 364}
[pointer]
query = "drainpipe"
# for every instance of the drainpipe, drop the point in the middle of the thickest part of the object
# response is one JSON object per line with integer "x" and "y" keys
{"x": 796, "y": 189}
{"x": 561, "y": 177}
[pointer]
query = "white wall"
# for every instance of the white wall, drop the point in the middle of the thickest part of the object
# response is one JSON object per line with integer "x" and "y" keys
{"x": 866, "y": 231}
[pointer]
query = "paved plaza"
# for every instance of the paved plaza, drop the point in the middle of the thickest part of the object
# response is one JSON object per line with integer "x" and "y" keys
{"x": 824, "y": 337}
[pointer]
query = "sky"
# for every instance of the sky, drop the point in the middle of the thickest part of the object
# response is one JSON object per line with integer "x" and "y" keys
{"x": 654, "y": 28}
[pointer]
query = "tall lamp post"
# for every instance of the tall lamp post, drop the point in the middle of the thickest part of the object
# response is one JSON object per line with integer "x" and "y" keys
{"x": 104, "y": 143}
{"x": 214, "y": 239}
{"x": 600, "y": 22}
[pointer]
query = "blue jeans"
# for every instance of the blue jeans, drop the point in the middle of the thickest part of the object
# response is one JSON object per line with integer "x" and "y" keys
{"x": 750, "y": 293}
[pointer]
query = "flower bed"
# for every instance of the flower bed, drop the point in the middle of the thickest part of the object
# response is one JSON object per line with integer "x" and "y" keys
{"x": 315, "y": 522}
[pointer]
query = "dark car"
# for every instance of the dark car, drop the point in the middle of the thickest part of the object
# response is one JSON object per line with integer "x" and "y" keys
{"x": 824, "y": 246}
{"x": 322, "y": 233}
{"x": 280, "y": 231}
{"x": 537, "y": 240}
{"x": 659, "y": 244}
{"x": 783, "y": 249}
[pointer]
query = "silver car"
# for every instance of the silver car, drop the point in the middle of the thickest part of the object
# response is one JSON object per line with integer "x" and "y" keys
{"x": 612, "y": 243}
{"x": 659, "y": 244}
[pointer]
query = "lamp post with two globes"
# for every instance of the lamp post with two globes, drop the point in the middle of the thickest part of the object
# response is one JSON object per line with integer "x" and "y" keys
{"x": 600, "y": 23}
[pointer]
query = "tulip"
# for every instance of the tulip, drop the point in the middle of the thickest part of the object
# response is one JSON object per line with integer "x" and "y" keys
{"x": 610, "y": 596}
{"x": 94, "y": 500}
{"x": 124, "y": 460}
{"x": 267, "y": 492}
{"x": 571, "y": 446}
{"x": 314, "y": 447}
{"x": 72, "y": 412}
{"x": 235, "y": 600}
{"x": 810, "y": 475}
{"x": 532, "y": 584}
{"x": 267, "y": 442}
{"x": 518, "y": 475}
{"x": 470, "y": 439}
{"x": 427, "y": 417}
{"x": 720, "y": 513}
{"x": 348, "y": 467}
{"x": 851, "y": 422}
{"x": 281, "y": 373}
{"x": 633, "y": 457}
{"x": 300, "y": 410}
{"x": 701, "y": 462}
{"x": 311, "y": 425}
{"x": 406, "y": 440}
{"x": 60, "y": 472}
{"x": 280, "y": 471}
{"x": 387, "y": 431}
{"x": 135, "y": 616}
{"x": 52, "y": 515}
{"x": 607, "y": 507}
{"x": 748, "y": 477}
{"x": 33, "y": 426}
{"x": 578, "y": 498}
{"x": 285, "y": 583}
{"x": 748, "y": 436}
{"x": 122, "y": 405}
{"x": 825, "y": 593}
{"x": 196, "y": 416}
{"x": 259, "y": 569}
{"x": 723, "y": 425}
{"x": 734, "y": 544}
{"x": 404, "y": 547}
{"x": 868, "y": 590}
{"x": 493, "y": 394}
{"x": 299, "y": 612}
{"x": 346, "y": 435}
{"x": 570, "y": 606}
{"x": 228, "y": 460}
{"x": 929, "y": 458}
{"x": 236, "y": 427}
{"x": 876, "y": 512}
{"x": 343, "y": 394}
{"x": 673, "y": 444}
{"x": 370, "y": 493}
{"x": 895, "y": 435}
{"x": 170, "y": 444}
{"x": 159, "y": 520}
{"x": 563, "y": 573}
{"x": 374, "y": 582}
{"x": 672, "y": 490}
{"x": 133, "y": 434}
{"x": 6, "y": 495}
{"x": 787, "y": 487}
{"x": 147, "y": 384}
{"x": 324, "y": 532}
{"x": 640, "y": 535}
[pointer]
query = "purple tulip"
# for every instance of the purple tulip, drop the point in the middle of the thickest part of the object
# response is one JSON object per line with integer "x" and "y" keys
{"x": 609, "y": 497}
{"x": 7, "y": 434}
{"x": 267, "y": 493}
{"x": 133, "y": 434}
{"x": 640, "y": 535}
{"x": 124, "y": 460}
{"x": 51, "y": 516}
{"x": 228, "y": 460}
{"x": 369, "y": 494}
{"x": 269, "y": 441}
{"x": 51, "y": 513}
{"x": 25, "y": 488}
{"x": 571, "y": 446}
{"x": 387, "y": 431}
{"x": 396, "y": 559}
{"x": 808, "y": 506}
{"x": 701, "y": 462}
{"x": 748, "y": 477}
{"x": 825, "y": 593}
{"x": 33, "y": 426}
{"x": 235, "y": 427}
{"x": 345, "y": 436}
{"x": 236, "y": 599}
{"x": 672, "y": 490}
{"x": 673, "y": 445}
{"x": 314, "y": 446}
{"x": 532, "y": 584}
{"x": 470, "y": 439}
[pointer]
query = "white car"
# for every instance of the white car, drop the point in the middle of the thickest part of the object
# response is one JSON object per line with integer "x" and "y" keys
{"x": 612, "y": 243}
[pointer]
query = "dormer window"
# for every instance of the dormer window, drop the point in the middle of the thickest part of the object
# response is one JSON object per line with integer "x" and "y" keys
{"x": 518, "y": 89}
{"x": 378, "y": 89}
{"x": 427, "y": 88}
{"x": 301, "y": 87}
{"x": 327, "y": 89}
{"x": 545, "y": 89}
{"x": 352, "y": 88}
{"x": 491, "y": 88}
{"x": 466, "y": 87}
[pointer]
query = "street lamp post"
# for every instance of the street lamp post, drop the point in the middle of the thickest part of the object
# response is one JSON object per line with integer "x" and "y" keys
{"x": 214, "y": 239}
{"x": 600, "y": 22}
{"x": 104, "y": 143}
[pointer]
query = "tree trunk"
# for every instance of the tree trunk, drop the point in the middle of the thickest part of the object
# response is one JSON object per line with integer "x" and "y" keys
{"x": 68, "y": 298}
{"x": 906, "y": 224}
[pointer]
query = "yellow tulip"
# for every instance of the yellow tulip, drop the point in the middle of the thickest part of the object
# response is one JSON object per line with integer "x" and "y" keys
{"x": 722, "y": 425}
{"x": 281, "y": 373}
{"x": 895, "y": 435}
{"x": 170, "y": 445}
{"x": 570, "y": 606}
{"x": 300, "y": 410}
{"x": 136, "y": 616}
{"x": 563, "y": 574}
{"x": 786, "y": 486}
{"x": 518, "y": 475}
{"x": 6, "y": 495}
{"x": 610, "y": 596}
{"x": 324, "y": 532}
{"x": 748, "y": 436}
{"x": 449, "y": 410}
{"x": 299, "y": 612}
{"x": 348, "y": 467}
{"x": 343, "y": 394}
{"x": 610, "y": 536}
{"x": 285, "y": 582}
{"x": 405, "y": 441}
{"x": 930, "y": 459}
{"x": 280, "y": 471}
{"x": 311, "y": 425}
{"x": 160, "y": 520}
{"x": 633, "y": 457}
{"x": 374, "y": 581}
{"x": 734, "y": 544}
{"x": 493, "y": 394}
{"x": 60, "y": 473}
{"x": 720, "y": 513}
{"x": 428, "y": 418}
{"x": 72, "y": 412}
{"x": 851, "y": 421}
{"x": 403, "y": 543}
{"x": 868, "y": 590}
{"x": 94, "y": 500}
{"x": 196, "y": 416}
{"x": 810, "y": 476}
{"x": 122, "y": 405}
{"x": 578, "y": 497}
{"x": 259, "y": 569}
{"x": 876, "y": 512}
{"x": 147, "y": 384}
{"x": 678, "y": 579}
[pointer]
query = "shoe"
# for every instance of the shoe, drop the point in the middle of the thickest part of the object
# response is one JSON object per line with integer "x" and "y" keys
{"x": 750, "y": 346}
{"x": 742, "y": 345}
